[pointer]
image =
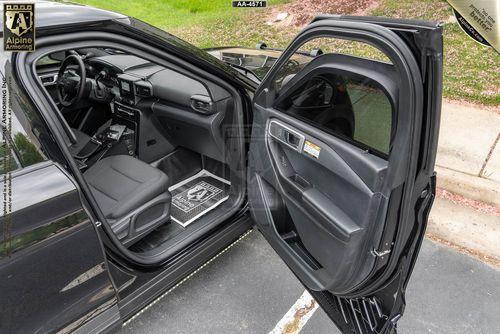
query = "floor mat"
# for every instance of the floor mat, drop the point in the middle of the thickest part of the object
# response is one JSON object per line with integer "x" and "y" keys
{"x": 197, "y": 195}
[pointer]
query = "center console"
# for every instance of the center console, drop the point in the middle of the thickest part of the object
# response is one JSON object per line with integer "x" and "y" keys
{"x": 125, "y": 112}
{"x": 133, "y": 108}
{"x": 131, "y": 115}
{"x": 126, "y": 118}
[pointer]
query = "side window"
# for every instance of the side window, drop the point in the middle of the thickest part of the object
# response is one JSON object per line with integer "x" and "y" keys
{"x": 349, "y": 105}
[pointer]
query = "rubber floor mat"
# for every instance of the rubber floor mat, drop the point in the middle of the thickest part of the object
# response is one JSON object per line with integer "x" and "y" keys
{"x": 197, "y": 195}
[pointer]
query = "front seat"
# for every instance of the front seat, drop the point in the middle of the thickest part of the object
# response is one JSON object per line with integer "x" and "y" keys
{"x": 133, "y": 195}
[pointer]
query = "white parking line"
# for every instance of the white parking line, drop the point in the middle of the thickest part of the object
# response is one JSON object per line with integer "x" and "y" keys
{"x": 297, "y": 316}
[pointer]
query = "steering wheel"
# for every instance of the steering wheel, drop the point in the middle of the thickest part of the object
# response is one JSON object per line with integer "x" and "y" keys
{"x": 71, "y": 83}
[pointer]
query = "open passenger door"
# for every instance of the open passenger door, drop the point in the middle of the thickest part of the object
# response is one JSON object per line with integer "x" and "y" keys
{"x": 341, "y": 163}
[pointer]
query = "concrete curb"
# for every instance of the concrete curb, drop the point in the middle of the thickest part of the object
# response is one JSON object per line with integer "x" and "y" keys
{"x": 475, "y": 233}
{"x": 469, "y": 186}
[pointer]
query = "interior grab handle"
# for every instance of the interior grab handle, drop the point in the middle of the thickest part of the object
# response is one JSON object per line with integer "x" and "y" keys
{"x": 202, "y": 104}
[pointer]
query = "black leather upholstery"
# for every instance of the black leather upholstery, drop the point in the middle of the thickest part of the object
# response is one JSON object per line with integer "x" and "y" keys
{"x": 127, "y": 189}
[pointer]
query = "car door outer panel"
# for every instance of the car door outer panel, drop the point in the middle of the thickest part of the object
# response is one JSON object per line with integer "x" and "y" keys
{"x": 351, "y": 241}
{"x": 52, "y": 268}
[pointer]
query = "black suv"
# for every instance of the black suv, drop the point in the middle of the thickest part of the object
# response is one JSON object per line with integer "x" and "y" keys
{"x": 131, "y": 158}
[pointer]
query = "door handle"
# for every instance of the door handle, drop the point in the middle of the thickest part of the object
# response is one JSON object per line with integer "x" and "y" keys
{"x": 292, "y": 139}
{"x": 286, "y": 134}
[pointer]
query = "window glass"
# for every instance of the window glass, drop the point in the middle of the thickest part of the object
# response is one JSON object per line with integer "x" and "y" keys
{"x": 353, "y": 107}
{"x": 323, "y": 45}
{"x": 372, "y": 115}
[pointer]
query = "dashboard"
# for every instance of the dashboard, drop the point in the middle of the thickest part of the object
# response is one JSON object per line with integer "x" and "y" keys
{"x": 190, "y": 110}
{"x": 131, "y": 79}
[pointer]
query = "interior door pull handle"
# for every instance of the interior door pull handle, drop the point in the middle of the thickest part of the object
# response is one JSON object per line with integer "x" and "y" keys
{"x": 286, "y": 135}
{"x": 292, "y": 139}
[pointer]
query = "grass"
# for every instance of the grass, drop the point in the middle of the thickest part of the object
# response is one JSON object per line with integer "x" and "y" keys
{"x": 172, "y": 14}
{"x": 470, "y": 70}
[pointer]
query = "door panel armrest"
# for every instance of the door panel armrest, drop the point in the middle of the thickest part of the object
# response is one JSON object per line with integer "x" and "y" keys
{"x": 331, "y": 217}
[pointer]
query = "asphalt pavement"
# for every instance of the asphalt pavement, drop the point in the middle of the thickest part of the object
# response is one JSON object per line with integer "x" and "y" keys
{"x": 248, "y": 290}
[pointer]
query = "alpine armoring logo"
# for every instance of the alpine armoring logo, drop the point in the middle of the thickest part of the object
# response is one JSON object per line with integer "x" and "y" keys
{"x": 19, "y": 27}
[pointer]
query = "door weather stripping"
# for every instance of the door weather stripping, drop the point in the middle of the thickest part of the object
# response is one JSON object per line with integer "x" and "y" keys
{"x": 244, "y": 235}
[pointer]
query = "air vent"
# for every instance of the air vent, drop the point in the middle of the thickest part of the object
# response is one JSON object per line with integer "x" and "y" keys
{"x": 144, "y": 91}
{"x": 143, "y": 88}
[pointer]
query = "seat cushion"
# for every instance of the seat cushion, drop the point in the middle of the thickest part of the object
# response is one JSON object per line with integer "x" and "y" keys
{"x": 121, "y": 183}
